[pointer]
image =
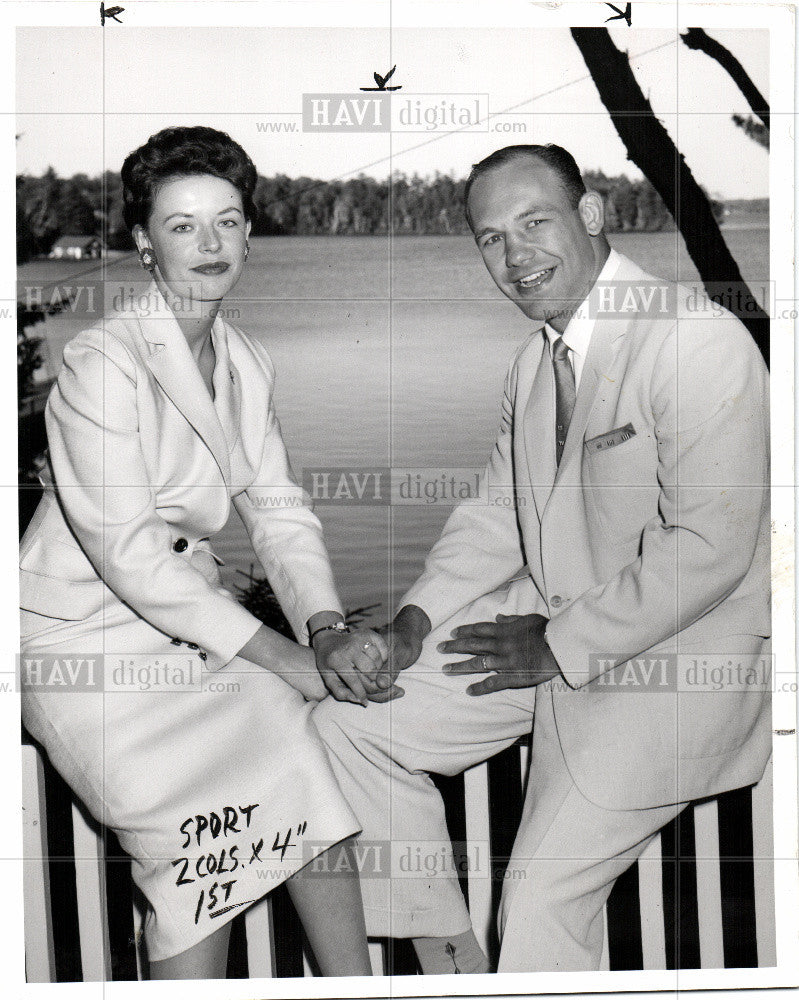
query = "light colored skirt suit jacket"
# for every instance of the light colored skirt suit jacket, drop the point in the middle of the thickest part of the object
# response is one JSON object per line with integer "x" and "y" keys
{"x": 206, "y": 766}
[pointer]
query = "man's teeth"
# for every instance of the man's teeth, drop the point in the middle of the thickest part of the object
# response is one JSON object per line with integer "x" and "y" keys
{"x": 533, "y": 279}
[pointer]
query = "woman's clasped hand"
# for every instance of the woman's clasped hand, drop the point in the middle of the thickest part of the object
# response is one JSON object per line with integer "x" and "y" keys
{"x": 349, "y": 663}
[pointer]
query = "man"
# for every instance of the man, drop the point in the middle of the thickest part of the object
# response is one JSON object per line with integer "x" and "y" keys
{"x": 635, "y": 445}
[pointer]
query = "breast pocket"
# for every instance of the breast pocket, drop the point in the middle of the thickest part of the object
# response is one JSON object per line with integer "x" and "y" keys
{"x": 620, "y": 484}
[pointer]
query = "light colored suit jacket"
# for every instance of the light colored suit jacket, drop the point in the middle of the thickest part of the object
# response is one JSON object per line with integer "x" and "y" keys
{"x": 635, "y": 545}
{"x": 144, "y": 468}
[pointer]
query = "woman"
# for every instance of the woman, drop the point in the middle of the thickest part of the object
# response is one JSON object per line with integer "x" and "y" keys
{"x": 163, "y": 414}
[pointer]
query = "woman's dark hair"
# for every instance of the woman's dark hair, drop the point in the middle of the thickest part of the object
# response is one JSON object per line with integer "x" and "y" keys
{"x": 556, "y": 157}
{"x": 181, "y": 151}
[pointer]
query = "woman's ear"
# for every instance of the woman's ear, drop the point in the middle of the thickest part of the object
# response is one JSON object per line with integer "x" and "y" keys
{"x": 247, "y": 228}
{"x": 592, "y": 212}
{"x": 140, "y": 237}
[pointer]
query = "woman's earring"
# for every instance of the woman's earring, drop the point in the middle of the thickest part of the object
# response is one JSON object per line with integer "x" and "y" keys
{"x": 246, "y": 249}
{"x": 147, "y": 258}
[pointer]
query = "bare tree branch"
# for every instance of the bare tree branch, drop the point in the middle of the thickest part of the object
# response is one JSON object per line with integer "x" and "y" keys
{"x": 697, "y": 38}
{"x": 652, "y": 150}
{"x": 756, "y": 131}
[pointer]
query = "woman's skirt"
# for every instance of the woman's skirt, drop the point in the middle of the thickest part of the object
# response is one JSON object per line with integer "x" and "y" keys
{"x": 216, "y": 784}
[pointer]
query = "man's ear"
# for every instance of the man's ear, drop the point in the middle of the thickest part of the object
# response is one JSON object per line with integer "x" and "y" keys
{"x": 592, "y": 212}
{"x": 140, "y": 237}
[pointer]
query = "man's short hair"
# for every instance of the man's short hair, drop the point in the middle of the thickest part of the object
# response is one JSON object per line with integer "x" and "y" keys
{"x": 556, "y": 157}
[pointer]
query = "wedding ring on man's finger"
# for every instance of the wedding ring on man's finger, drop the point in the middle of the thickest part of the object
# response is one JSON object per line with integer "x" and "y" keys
{"x": 366, "y": 646}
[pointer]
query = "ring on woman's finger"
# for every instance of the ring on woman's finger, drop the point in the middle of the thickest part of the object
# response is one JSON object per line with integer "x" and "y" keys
{"x": 366, "y": 646}
{"x": 484, "y": 661}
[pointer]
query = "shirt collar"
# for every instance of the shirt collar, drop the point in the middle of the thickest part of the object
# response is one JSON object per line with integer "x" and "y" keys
{"x": 577, "y": 335}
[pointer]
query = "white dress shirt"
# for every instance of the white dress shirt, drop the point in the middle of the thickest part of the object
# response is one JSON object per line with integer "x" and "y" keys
{"x": 577, "y": 335}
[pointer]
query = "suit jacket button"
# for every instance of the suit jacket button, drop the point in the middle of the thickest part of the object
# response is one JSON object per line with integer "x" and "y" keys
{"x": 180, "y": 545}
{"x": 555, "y": 601}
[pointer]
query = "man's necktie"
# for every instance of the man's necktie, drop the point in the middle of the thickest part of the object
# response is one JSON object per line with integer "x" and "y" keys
{"x": 565, "y": 394}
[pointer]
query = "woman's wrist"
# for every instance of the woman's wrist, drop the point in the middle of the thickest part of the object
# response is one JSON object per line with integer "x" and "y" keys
{"x": 322, "y": 620}
{"x": 270, "y": 650}
{"x": 291, "y": 662}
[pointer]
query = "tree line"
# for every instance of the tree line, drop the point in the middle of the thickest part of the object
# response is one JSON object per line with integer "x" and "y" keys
{"x": 51, "y": 206}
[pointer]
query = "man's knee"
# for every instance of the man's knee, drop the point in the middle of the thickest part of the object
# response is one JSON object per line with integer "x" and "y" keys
{"x": 340, "y": 722}
{"x": 542, "y": 893}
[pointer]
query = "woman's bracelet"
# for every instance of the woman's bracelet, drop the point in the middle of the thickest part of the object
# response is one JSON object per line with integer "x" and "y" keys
{"x": 341, "y": 627}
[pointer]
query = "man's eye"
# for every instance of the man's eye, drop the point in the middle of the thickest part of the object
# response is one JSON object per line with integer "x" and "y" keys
{"x": 535, "y": 222}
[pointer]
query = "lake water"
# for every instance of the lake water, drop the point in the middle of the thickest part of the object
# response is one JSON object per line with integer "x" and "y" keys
{"x": 388, "y": 353}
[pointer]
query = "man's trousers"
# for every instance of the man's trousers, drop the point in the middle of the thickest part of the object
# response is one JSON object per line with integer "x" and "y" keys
{"x": 568, "y": 851}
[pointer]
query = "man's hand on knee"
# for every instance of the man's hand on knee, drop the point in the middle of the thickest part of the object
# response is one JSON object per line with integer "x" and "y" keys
{"x": 514, "y": 646}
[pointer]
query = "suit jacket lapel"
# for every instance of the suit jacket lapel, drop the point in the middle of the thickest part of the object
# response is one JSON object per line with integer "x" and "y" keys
{"x": 539, "y": 429}
{"x": 227, "y": 384}
{"x": 172, "y": 364}
{"x": 602, "y": 351}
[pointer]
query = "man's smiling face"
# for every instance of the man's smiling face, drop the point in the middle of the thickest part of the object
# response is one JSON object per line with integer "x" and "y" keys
{"x": 542, "y": 252}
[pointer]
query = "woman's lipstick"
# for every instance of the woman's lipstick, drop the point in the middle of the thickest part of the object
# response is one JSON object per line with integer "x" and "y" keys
{"x": 218, "y": 267}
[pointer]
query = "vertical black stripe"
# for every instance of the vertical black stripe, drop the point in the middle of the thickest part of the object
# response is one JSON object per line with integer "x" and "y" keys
{"x": 680, "y": 904}
{"x": 504, "y": 814}
{"x": 287, "y": 934}
{"x": 668, "y": 848}
{"x": 625, "y": 947}
{"x": 737, "y": 879}
{"x": 399, "y": 957}
{"x": 452, "y": 794}
{"x": 119, "y": 904}
{"x": 237, "y": 965}
{"x": 63, "y": 891}
{"x": 690, "y": 957}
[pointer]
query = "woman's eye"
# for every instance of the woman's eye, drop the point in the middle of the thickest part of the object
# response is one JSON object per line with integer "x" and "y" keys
{"x": 228, "y": 222}
{"x": 491, "y": 239}
{"x": 182, "y": 228}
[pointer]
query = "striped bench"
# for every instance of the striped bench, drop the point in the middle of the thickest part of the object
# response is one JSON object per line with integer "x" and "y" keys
{"x": 701, "y": 895}
{"x": 722, "y": 884}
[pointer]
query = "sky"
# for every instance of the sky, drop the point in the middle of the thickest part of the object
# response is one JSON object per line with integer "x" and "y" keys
{"x": 86, "y": 97}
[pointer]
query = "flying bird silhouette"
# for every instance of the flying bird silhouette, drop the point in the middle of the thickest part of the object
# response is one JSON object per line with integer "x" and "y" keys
{"x": 627, "y": 14}
{"x": 110, "y": 12}
{"x": 382, "y": 80}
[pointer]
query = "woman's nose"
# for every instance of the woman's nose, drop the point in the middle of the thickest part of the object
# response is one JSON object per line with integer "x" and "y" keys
{"x": 209, "y": 240}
